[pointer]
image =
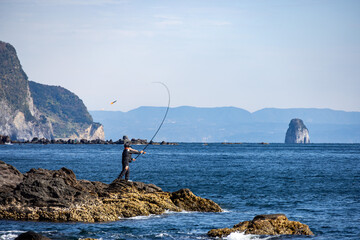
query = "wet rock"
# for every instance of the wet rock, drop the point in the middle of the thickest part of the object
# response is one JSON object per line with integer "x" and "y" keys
{"x": 272, "y": 224}
{"x": 56, "y": 195}
{"x": 10, "y": 177}
{"x": 30, "y": 235}
{"x": 4, "y": 139}
{"x": 188, "y": 201}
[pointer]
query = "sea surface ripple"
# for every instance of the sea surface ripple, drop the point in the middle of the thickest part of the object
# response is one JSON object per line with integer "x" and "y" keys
{"x": 316, "y": 184}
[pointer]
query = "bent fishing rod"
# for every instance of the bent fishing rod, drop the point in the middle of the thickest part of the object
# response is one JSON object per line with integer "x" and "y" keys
{"x": 163, "y": 120}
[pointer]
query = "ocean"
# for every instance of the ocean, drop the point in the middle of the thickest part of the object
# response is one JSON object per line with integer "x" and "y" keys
{"x": 316, "y": 184}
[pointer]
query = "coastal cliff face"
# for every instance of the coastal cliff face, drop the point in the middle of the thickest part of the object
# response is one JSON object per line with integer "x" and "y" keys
{"x": 66, "y": 111}
{"x": 297, "y": 132}
{"x": 19, "y": 118}
{"x": 29, "y": 109}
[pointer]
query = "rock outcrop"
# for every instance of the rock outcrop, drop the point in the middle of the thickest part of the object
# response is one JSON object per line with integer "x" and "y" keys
{"x": 297, "y": 132}
{"x": 56, "y": 195}
{"x": 272, "y": 224}
{"x": 29, "y": 109}
{"x": 5, "y": 139}
{"x": 30, "y": 235}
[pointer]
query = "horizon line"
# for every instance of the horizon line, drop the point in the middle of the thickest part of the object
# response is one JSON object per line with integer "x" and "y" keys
{"x": 182, "y": 106}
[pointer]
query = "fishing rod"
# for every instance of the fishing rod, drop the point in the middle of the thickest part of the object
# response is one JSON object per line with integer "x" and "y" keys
{"x": 163, "y": 120}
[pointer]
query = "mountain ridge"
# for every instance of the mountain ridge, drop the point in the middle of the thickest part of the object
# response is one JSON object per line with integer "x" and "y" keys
{"x": 232, "y": 124}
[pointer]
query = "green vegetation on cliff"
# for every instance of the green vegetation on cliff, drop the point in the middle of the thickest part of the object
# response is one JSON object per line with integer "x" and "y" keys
{"x": 13, "y": 81}
{"x": 64, "y": 109}
{"x": 29, "y": 109}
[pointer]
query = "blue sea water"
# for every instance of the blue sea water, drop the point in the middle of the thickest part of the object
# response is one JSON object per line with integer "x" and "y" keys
{"x": 316, "y": 184}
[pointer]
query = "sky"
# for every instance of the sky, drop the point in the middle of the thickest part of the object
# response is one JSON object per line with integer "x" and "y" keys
{"x": 250, "y": 54}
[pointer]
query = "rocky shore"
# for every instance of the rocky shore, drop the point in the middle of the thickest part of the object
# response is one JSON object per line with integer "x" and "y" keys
{"x": 271, "y": 224}
{"x": 56, "y": 195}
{"x": 7, "y": 139}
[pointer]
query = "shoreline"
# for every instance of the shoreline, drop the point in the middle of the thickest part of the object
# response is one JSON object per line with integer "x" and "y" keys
{"x": 7, "y": 141}
{"x": 58, "y": 196}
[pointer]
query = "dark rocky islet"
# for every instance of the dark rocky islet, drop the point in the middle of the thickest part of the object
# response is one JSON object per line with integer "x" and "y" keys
{"x": 267, "y": 224}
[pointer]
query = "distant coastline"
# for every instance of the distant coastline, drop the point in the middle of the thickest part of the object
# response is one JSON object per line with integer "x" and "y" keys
{"x": 7, "y": 140}
{"x": 230, "y": 124}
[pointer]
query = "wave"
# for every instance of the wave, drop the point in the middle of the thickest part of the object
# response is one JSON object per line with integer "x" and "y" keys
{"x": 10, "y": 235}
{"x": 162, "y": 235}
{"x": 140, "y": 217}
{"x": 242, "y": 236}
{"x": 167, "y": 212}
{"x": 173, "y": 212}
{"x": 226, "y": 211}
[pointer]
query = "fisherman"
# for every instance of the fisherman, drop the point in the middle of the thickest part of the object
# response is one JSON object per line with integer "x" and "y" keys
{"x": 126, "y": 159}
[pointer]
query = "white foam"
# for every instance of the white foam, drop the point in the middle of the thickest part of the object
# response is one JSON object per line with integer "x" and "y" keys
{"x": 141, "y": 217}
{"x": 226, "y": 211}
{"x": 242, "y": 236}
{"x": 173, "y": 212}
{"x": 9, "y": 235}
{"x": 161, "y": 235}
{"x": 85, "y": 238}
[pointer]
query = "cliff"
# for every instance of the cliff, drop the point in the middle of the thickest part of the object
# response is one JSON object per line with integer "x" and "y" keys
{"x": 19, "y": 118}
{"x": 29, "y": 109}
{"x": 297, "y": 132}
{"x": 56, "y": 195}
{"x": 66, "y": 112}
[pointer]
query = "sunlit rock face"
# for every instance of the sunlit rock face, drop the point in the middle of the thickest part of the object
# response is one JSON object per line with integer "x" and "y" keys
{"x": 57, "y": 195}
{"x": 29, "y": 109}
{"x": 297, "y": 132}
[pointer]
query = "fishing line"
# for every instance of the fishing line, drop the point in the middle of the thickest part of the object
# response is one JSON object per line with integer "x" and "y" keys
{"x": 163, "y": 120}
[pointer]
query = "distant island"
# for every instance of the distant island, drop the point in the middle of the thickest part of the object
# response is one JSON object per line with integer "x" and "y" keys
{"x": 297, "y": 132}
{"x": 32, "y": 110}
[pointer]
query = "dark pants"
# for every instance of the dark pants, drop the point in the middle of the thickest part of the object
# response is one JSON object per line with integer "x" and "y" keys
{"x": 125, "y": 172}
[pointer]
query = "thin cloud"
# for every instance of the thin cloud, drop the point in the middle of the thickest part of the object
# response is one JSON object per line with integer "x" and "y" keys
{"x": 220, "y": 23}
{"x": 165, "y": 20}
{"x": 113, "y": 33}
{"x": 70, "y": 2}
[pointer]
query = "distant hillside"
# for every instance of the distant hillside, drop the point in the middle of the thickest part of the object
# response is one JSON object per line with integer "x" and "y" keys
{"x": 65, "y": 110}
{"x": 191, "y": 124}
{"x": 29, "y": 109}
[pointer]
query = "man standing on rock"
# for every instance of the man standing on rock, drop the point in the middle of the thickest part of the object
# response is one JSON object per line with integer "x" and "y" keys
{"x": 126, "y": 159}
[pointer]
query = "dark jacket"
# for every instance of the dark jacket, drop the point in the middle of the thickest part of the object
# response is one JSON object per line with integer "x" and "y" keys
{"x": 126, "y": 156}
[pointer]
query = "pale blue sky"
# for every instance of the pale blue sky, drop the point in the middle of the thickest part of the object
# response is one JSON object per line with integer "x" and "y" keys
{"x": 250, "y": 54}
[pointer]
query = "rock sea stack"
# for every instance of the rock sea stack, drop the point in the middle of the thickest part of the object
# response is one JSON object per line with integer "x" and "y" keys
{"x": 56, "y": 195}
{"x": 271, "y": 224}
{"x": 297, "y": 132}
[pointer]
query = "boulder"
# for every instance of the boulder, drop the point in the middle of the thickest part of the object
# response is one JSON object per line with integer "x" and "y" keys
{"x": 272, "y": 224}
{"x": 56, "y": 195}
{"x": 5, "y": 139}
{"x": 30, "y": 235}
{"x": 188, "y": 201}
{"x": 297, "y": 132}
{"x": 10, "y": 177}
